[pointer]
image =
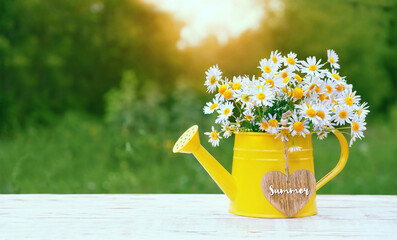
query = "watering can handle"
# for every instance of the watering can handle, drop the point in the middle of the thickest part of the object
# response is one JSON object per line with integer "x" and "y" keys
{"x": 342, "y": 161}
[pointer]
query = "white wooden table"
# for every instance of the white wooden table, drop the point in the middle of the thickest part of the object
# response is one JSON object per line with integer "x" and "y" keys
{"x": 188, "y": 216}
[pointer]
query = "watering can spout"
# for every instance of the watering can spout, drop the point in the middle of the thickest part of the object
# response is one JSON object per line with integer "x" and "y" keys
{"x": 189, "y": 142}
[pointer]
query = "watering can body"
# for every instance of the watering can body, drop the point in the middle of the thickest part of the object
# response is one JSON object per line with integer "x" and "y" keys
{"x": 254, "y": 155}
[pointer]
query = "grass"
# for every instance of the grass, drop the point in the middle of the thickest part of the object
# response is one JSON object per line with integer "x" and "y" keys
{"x": 82, "y": 154}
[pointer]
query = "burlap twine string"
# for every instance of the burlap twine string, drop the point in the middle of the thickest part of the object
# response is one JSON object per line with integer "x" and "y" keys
{"x": 284, "y": 122}
{"x": 286, "y": 160}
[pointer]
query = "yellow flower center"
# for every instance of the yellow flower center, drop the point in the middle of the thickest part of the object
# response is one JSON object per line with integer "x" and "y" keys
{"x": 298, "y": 126}
{"x": 312, "y": 86}
{"x": 297, "y": 93}
{"x": 227, "y": 94}
{"x": 317, "y": 89}
{"x": 290, "y": 60}
{"x": 336, "y": 76}
{"x": 274, "y": 59}
{"x": 329, "y": 89}
{"x": 343, "y": 114}
{"x": 286, "y": 80}
{"x": 267, "y": 69}
{"x": 313, "y": 68}
{"x": 284, "y": 75}
{"x": 249, "y": 117}
{"x": 213, "y": 106}
{"x": 297, "y": 77}
{"x": 311, "y": 112}
{"x": 270, "y": 81}
{"x": 284, "y": 89}
{"x": 273, "y": 123}
{"x": 355, "y": 126}
{"x": 349, "y": 101}
{"x": 360, "y": 111}
{"x": 222, "y": 89}
{"x": 322, "y": 97}
{"x": 214, "y": 135}
{"x": 289, "y": 93}
{"x": 331, "y": 60}
{"x": 245, "y": 97}
{"x": 284, "y": 131}
{"x": 212, "y": 80}
{"x": 265, "y": 125}
{"x": 261, "y": 96}
{"x": 321, "y": 114}
{"x": 236, "y": 85}
{"x": 226, "y": 111}
{"x": 339, "y": 87}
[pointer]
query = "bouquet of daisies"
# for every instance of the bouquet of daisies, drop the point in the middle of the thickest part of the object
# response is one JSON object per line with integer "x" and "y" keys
{"x": 291, "y": 98}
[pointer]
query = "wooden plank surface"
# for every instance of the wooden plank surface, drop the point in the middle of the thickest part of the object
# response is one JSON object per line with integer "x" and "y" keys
{"x": 188, "y": 216}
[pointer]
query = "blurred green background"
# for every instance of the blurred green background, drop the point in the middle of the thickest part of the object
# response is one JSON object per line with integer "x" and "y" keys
{"x": 94, "y": 94}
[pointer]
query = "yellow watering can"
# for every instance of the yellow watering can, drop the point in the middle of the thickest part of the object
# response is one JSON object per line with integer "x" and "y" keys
{"x": 256, "y": 154}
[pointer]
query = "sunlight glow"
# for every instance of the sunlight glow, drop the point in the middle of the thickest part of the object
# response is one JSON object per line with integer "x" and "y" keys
{"x": 222, "y": 18}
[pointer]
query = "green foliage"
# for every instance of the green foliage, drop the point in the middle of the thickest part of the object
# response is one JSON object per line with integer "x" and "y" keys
{"x": 82, "y": 154}
{"x": 60, "y": 55}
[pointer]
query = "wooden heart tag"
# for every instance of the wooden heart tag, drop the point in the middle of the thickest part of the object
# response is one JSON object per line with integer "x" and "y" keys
{"x": 289, "y": 194}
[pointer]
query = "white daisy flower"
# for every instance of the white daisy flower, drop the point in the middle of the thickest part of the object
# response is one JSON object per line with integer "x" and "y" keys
{"x": 333, "y": 58}
{"x": 308, "y": 110}
{"x": 248, "y": 116}
{"x": 323, "y": 114}
{"x": 298, "y": 127}
{"x": 244, "y": 95}
{"x": 276, "y": 57}
{"x": 287, "y": 75}
{"x": 322, "y": 135}
{"x": 226, "y": 129}
{"x": 273, "y": 124}
{"x": 237, "y": 83}
{"x": 329, "y": 86}
{"x": 349, "y": 98}
{"x": 225, "y": 111}
{"x": 268, "y": 67}
{"x": 211, "y": 106}
{"x": 213, "y": 137}
{"x": 225, "y": 91}
{"x": 312, "y": 67}
{"x": 298, "y": 78}
{"x": 334, "y": 75}
{"x": 342, "y": 115}
{"x": 213, "y": 75}
{"x": 263, "y": 96}
{"x": 297, "y": 93}
{"x": 273, "y": 82}
{"x": 283, "y": 134}
{"x": 340, "y": 87}
{"x": 241, "y": 84}
{"x": 362, "y": 110}
{"x": 291, "y": 61}
{"x": 357, "y": 129}
{"x": 313, "y": 87}
{"x": 263, "y": 125}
